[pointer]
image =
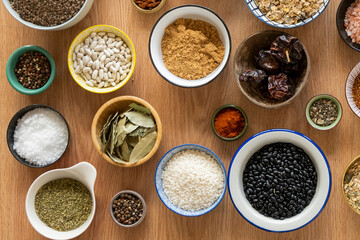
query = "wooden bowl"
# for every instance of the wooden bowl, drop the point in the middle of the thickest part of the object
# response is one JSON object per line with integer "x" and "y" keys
{"x": 245, "y": 60}
{"x": 355, "y": 160}
{"x": 119, "y": 104}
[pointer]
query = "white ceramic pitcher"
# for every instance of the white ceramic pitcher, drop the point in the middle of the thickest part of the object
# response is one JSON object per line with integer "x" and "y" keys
{"x": 83, "y": 172}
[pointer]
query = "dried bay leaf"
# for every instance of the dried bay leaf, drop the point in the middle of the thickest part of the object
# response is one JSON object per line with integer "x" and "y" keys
{"x": 148, "y": 131}
{"x": 132, "y": 141}
{"x": 125, "y": 151}
{"x": 120, "y": 132}
{"x": 139, "y": 108}
{"x": 113, "y": 135}
{"x": 130, "y": 127}
{"x": 140, "y": 119}
{"x": 116, "y": 159}
{"x": 143, "y": 147}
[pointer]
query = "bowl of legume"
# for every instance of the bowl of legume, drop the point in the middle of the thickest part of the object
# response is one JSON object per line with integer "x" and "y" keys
{"x": 48, "y": 15}
{"x": 352, "y": 90}
{"x": 323, "y": 112}
{"x": 128, "y": 208}
{"x": 279, "y": 180}
{"x": 190, "y": 180}
{"x": 30, "y": 70}
{"x": 351, "y": 184}
{"x": 101, "y": 59}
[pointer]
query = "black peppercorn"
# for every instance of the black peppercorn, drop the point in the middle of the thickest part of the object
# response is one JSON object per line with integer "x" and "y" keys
{"x": 127, "y": 209}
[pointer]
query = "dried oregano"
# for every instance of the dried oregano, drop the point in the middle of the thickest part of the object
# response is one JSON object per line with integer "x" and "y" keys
{"x": 63, "y": 204}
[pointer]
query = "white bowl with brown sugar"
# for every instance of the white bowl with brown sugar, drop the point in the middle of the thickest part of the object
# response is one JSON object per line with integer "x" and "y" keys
{"x": 189, "y": 46}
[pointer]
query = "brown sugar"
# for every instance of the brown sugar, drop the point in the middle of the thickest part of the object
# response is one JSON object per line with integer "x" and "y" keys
{"x": 191, "y": 48}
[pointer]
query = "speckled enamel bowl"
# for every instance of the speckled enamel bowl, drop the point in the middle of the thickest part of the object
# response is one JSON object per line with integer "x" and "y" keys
{"x": 349, "y": 88}
{"x": 159, "y": 184}
{"x": 80, "y": 38}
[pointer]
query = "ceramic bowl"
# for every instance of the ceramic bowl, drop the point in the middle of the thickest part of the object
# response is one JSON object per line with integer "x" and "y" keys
{"x": 77, "y": 18}
{"x": 12, "y": 126}
{"x": 161, "y": 4}
{"x": 159, "y": 185}
{"x": 245, "y": 60}
{"x": 355, "y": 160}
{"x": 256, "y": 11}
{"x": 193, "y": 12}
{"x": 322, "y": 96}
{"x": 11, "y": 64}
{"x": 136, "y": 195}
{"x": 85, "y": 173}
{"x": 355, "y": 72}
{"x": 226, "y": 107}
{"x": 340, "y": 21}
{"x": 80, "y": 38}
{"x": 237, "y": 167}
{"x": 119, "y": 104}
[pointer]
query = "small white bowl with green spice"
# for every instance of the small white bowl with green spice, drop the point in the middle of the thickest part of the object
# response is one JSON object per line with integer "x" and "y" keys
{"x": 323, "y": 112}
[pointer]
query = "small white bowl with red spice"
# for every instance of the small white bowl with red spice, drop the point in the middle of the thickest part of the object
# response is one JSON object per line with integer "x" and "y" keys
{"x": 352, "y": 89}
{"x": 229, "y": 122}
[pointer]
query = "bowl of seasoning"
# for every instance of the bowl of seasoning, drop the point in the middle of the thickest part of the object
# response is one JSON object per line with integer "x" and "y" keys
{"x": 101, "y": 59}
{"x": 347, "y": 23}
{"x": 37, "y": 136}
{"x": 271, "y": 68}
{"x": 279, "y": 180}
{"x": 195, "y": 62}
{"x": 229, "y": 122}
{"x": 128, "y": 208}
{"x": 323, "y": 112}
{"x": 287, "y": 14}
{"x": 352, "y": 89}
{"x": 48, "y": 15}
{"x": 126, "y": 131}
{"x": 190, "y": 180}
{"x": 146, "y": 6}
{"x": 60, "y": 204}
{"x": 30, "y": 70}
{"x": 351, "y": 184}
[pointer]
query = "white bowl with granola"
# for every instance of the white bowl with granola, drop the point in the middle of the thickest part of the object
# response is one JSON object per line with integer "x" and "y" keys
{"x": 287, "y": 14}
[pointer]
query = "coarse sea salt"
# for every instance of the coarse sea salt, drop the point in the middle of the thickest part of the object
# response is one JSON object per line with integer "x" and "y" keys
{"x": 41, "y": 136}
{"x": 193, "y": 180}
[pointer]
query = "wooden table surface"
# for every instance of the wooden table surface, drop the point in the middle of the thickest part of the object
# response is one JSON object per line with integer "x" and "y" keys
{"x": 185, "y": 114}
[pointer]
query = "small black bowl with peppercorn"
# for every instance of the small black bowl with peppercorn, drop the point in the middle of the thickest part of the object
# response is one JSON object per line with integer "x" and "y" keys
{"x": 128, "y": 208}
{"x": 30, "y": 70}
{"x": 271, "y": 68}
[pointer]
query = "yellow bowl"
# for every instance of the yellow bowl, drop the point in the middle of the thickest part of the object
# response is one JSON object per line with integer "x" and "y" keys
{"x": 80, "y": 38}
{"x": 119, "y": 104}
{"x": 355, "y": 160}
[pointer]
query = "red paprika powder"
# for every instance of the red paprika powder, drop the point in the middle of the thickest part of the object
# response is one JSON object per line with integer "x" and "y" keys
{"x": 229, "y": 122}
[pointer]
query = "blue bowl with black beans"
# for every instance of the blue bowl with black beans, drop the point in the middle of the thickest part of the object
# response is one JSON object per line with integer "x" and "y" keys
{"x": 279, "y": 180}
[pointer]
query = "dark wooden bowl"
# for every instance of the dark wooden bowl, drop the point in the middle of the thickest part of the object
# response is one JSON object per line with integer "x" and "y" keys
{"x": 245, "y": 60}
{"x": 340, "y": 21}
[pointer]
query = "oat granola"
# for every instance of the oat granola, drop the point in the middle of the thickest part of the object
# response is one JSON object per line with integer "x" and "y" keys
{"x": 289, "y": 11}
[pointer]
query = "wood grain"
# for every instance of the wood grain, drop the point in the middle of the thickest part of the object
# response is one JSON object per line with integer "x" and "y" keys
{"x": 185, "y": 114}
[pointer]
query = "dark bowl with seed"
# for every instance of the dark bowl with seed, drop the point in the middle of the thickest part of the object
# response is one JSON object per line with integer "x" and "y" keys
{"x": 30, "y": 70}
{"x": 128, "y": 208}
{"x": 323, "y": 112}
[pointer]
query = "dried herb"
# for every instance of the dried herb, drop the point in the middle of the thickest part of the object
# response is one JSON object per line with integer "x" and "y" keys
{"x": 129, "y": 136}
{"x": 323, "y": 112}
{"x": 351, "y": 186}
{"x": 63, "y": 204}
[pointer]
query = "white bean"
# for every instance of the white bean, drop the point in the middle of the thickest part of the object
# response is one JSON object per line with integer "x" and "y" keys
{"x": 88, "y": 76}
{"x": 88, "y": 51}
{"x": 77, "y": 69}
{"x": 99, "y": 48}
{"x": 113, "y": 84}
{"x": 101, "y": 73}
{"x": 81, "y": 64}
{"x": 89, "y": 83}
{"x": 123, "y": 77}
{"x": 128, "y": 65}
{"x": 94, "y": 74}
{"x": 112, "y": 69}
{"x": 107, "y": 60}
{"x": 109, "y": 75}
{"x": 77, "y": 48}
{"x": 93, "y": 44}
{"x": 82, "y": 51}
{"x": 93, "y": 34}
{"x": 112, "y": 58}
{"x": 86, "y": 69}
{"x": 107, "y": 53}
{"x": 109, "y": 64}
{"x": 118, "y": 76}
{"x": 87, "y": 40}
{"x": 94, "y": 56}
{"x": 97, "y": 64}
{"x": 111, "y": 45}
{"x": 128, "y": 50}
{"x": 112, "y": 35}
{"x": 74, "y": 57}
{"x": 106, "y": 77}
{"x": 86, "y": 60}
{"x": 90, "y": 63}
{"x": 102, "y": 58}
{"x": 79, "y": 55}
{"x": 101, "y": 84}
{"x": 101, "y": 33}
{"x": 106, "y": 84}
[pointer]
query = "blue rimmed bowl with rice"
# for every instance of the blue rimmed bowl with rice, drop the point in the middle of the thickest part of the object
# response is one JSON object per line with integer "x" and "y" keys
{"x": 190, "y": 180}
{"x": 286, "y": 14}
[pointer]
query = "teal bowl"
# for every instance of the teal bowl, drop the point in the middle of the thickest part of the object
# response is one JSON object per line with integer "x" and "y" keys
{"x": 11, "y": 64}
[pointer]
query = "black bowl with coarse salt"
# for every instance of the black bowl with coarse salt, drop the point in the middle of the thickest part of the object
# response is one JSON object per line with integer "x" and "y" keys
{"x": 11, "y": 129}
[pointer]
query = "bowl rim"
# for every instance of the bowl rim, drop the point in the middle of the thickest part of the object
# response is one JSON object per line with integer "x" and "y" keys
{"x": 338, "y": 23}
{"x": 184, "y": 6}
{"x": 356, "y": 159}
{"x": 306, "y": 138}
{"x": 323, "y": 96}
{"x": 14, "y": 58}
{"x": 226, "y": 106}
{"x": 218, "y": 160}
{"x": 356, "y": 68}
{"x": 157, "y": 8}
{"x": 141, "y": 101}
{"x": 286, "y": 26}
{"x": 136, "y": 194}
{"x": 94, "y": 89}
{"x": 279, "y": 104}
{"x": 46, "y": 28}
{"x": 16, "y": 117}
